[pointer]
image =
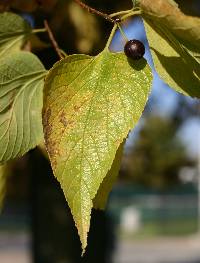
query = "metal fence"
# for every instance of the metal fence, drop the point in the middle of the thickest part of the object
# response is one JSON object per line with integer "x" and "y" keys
{"x": 164, "y": 214}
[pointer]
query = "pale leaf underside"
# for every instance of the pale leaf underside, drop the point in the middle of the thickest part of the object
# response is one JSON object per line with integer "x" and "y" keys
{"x": 14, "y": 31}
{"x": 21, "y": 95}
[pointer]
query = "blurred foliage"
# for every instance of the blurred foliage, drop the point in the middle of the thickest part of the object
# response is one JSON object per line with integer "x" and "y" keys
{"x": 18, "y": 180}
{"x": 157, "y": 155}
{"x": 3, "y": 173}
{"x": 190, "y": 7}
{"x": 37, "y": 44}
{"x": 76, "y": 30}
{"x": 87, "y": 33}
{"x": 14, "y": 181}
{"x": 79, "y": 31}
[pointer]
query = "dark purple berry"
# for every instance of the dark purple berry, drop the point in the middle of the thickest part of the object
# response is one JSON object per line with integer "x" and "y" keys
{"x": 134, "y": 49}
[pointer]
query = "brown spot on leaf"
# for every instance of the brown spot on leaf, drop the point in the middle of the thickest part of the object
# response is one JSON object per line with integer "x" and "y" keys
{"x": 76, "y": 108}
{"x": 51, "y": 148}
{"x": 46, "y": 116}
{"x": 63, "y": 119}
{"x": 51, "y": 144}
{"x": 83, "y": 101}
{"x": 47, "y": 126}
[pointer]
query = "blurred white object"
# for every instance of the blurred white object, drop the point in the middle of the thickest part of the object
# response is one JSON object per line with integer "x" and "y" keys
{"x": 130, "y": 220}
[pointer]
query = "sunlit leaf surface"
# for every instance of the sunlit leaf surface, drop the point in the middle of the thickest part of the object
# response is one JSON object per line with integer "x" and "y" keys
{"x": 174, "y": 39}
{"x": 90, "y": 105}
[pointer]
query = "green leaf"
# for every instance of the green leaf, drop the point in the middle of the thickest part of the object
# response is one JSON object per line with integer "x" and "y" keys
{"x": 172, "y": 61}
{"x": 100, "y": 200}
{"x": 193, "y": 54}
{"x": 164, "y": 13}
{"x": 14, "y": 31}
{"x": 175, "y": 44}
{"x": 21, "y": 95}
{"x": 90, "y": 105}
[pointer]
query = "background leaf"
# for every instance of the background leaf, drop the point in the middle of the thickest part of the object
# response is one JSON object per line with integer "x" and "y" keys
{"x": 21, "y": 95}
{"x": 36, "y": 43}
{"x": 14, "y": 31}
{"x": 88, "y": 34}
{"x": 90, "y": 105}
{"x": 106, "y": 186}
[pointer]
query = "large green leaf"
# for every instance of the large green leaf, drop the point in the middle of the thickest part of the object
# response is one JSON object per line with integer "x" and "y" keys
{"x": 100, "y": 200}
{"x": 21, "y": 95}
{"x": 90, "y": 105}
{"x": 174, "y": 64}
{"x": 14, "y": 31}
{"x": 185, "y": 28}
{"x": 176, "y": 59}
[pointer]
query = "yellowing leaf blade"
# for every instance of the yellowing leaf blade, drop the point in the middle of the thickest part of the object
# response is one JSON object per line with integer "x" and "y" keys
{"x": 90, "y": 105}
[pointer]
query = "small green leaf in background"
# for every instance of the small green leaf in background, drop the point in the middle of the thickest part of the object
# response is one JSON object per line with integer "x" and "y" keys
{"x": 100, "y": 200}
{"x": 21, "y": 100}
{"x": 175, "y": 44}
{"x": 36, "y": 43}
{"x": 14, "y": 31}
{"x": 90, "y": 105}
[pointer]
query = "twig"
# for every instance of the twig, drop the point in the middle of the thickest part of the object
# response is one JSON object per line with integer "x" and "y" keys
{"x": 94, "y": 11}
{"x": 52, "y": 39}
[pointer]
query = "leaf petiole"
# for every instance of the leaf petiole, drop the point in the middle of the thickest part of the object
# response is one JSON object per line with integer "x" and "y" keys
{"x": 63, "y": 53}
{"x": 111, "y": 37}
{"x": 131, "y": 13}
{"x": 120, "y": 13}
{"x": 134, "y": 12}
